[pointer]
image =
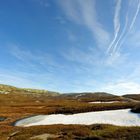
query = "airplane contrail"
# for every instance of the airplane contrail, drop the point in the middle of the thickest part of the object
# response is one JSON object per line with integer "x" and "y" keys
{"x": 124, "y": 33}
{"x": 121, "y": 37}
{"x": 131, "y": 25}
{"x": 135, "y": 16}
{"x": 116, "y": 24}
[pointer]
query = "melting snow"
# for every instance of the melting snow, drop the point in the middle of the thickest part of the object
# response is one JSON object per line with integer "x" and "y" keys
{"x": 97, "y": 102}
{"x": 116, "y": 117}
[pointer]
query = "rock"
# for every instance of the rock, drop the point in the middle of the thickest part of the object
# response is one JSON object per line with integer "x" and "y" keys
{"x": 44, "y": 136}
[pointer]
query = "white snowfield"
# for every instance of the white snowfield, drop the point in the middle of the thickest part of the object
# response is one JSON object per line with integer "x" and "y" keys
{"x": 116, "y": 117}
{"x": 98, "y": 102}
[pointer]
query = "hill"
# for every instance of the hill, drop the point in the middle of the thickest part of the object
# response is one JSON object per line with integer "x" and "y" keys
{"x": 92, "y": 96}
{"x": 6, "y": 89}
{"x": 132, "y": 96}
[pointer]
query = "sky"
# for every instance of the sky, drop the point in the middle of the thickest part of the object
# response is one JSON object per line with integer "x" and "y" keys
{"x": 71, "y": 45}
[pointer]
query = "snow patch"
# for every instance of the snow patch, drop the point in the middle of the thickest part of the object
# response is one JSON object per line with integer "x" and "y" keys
{"x": 122, "y": 117}
{"x": 98, "y": 102}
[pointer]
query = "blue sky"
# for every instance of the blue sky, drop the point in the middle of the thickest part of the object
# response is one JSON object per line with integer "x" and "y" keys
{"x": 71, "y": 45}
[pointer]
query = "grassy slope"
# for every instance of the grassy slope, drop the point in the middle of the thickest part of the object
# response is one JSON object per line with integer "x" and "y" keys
{"x": 90, "y": 97}
{"x": 136, "y": 109}
{"x": 16, "y": 105}
{"x": 5, "y": 89}
{"x": 132, "y": 96}
{"x": 80, "y": 132}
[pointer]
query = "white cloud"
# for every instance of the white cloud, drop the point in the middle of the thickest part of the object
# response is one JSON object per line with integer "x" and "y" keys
{"x": 88, "y": 58}
{"x": 122, "y": 87}
{"x": 127, "y": 83}
{"x": 44, "y": 80}
{"x": 116, "y": 60}
{"x": 134, "y": 39}
{"x": 18, "y": 79}
{"x": 32, "y": 58}
{"x": 91, "y": 58}
{"x": 84, "y": 13}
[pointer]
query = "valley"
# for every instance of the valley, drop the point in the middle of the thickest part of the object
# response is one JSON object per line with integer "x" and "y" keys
{"x": 19, "y": 103}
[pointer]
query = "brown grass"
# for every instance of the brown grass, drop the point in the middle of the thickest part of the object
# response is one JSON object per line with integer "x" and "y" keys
{"x": 17, "y": 106}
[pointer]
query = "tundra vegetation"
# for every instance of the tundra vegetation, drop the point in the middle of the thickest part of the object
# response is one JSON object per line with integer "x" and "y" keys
{"x": 17, "y": 103}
